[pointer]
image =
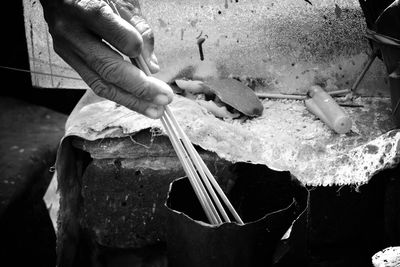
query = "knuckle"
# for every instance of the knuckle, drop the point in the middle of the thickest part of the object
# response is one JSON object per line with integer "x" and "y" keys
{"x": 139, "y": 23}
{"x": 112, "y": 93}
{"x": 101, "y": 89}
{"x": 97, "y": 8}
{"x": 93, "y": 9}
{"x": 102, "y": 9}
{"x": 58, "y": 28}
{"x": 69, "y": 2}
{"x": 131, "y": 46}
{"x": 148, "y": 37}
{"x": 142, "y": 90}
{"x": 133, "y": 104}
{"x": 98, "y": 87}
{"x": 107, "y": 68}
{"x": 59, "y": 18}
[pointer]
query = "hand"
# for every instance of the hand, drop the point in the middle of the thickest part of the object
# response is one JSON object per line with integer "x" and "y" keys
{"x": 79, "y": 29}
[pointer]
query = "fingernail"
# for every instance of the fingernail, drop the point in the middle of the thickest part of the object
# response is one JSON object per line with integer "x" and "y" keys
{"x": 154, "y": 59}
{"x": 154, "y": 63}
{"x": 161, "y": 100}
{"x": 153, "y": 112}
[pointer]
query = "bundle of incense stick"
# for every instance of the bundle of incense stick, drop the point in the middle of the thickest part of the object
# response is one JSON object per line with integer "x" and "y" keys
{"x": 203, "y": 182}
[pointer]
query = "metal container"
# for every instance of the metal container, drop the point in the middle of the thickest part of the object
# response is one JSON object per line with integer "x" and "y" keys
{"x": 268, "y": 202}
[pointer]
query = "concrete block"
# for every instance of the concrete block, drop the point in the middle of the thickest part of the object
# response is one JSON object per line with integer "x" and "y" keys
{"x": 125, "y": 186}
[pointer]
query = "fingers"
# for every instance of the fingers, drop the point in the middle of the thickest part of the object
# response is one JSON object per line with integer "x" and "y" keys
{"x": 147, "y": 34}
{"x": 130, "y": 34}
{"x": 130, "y": 11}
{"x": 99, "y": 17}
{"x": 111, "y": 67}
{"x": 145, "y": 108}
{"x": 78, "y": 29}
{"x": 108, "y": 90}
{"x": 148, "y": 51}
{"x": 124, "y": 33}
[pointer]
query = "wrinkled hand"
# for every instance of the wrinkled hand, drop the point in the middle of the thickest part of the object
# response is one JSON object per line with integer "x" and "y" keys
{"x": 78, "y": 28}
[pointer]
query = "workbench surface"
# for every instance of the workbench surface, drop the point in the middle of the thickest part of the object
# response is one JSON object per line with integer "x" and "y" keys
{"x": 286, "y": 137}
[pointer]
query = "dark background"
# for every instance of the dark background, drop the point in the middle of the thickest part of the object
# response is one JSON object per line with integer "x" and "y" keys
{"x": 14, "y": 53}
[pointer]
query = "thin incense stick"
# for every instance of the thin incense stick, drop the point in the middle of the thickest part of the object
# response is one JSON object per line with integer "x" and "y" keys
{"x": 200, "y": 177}
{"x": 189, "y": 172}
{"x": 196, "y": 160}
{"x": 194, "y": 166}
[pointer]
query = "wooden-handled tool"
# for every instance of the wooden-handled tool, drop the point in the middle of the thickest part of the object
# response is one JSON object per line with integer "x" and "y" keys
{"x": 325, "y": 108}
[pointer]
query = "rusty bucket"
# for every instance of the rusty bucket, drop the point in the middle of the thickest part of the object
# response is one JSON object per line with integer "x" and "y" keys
{"x": 268, "y": 201}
